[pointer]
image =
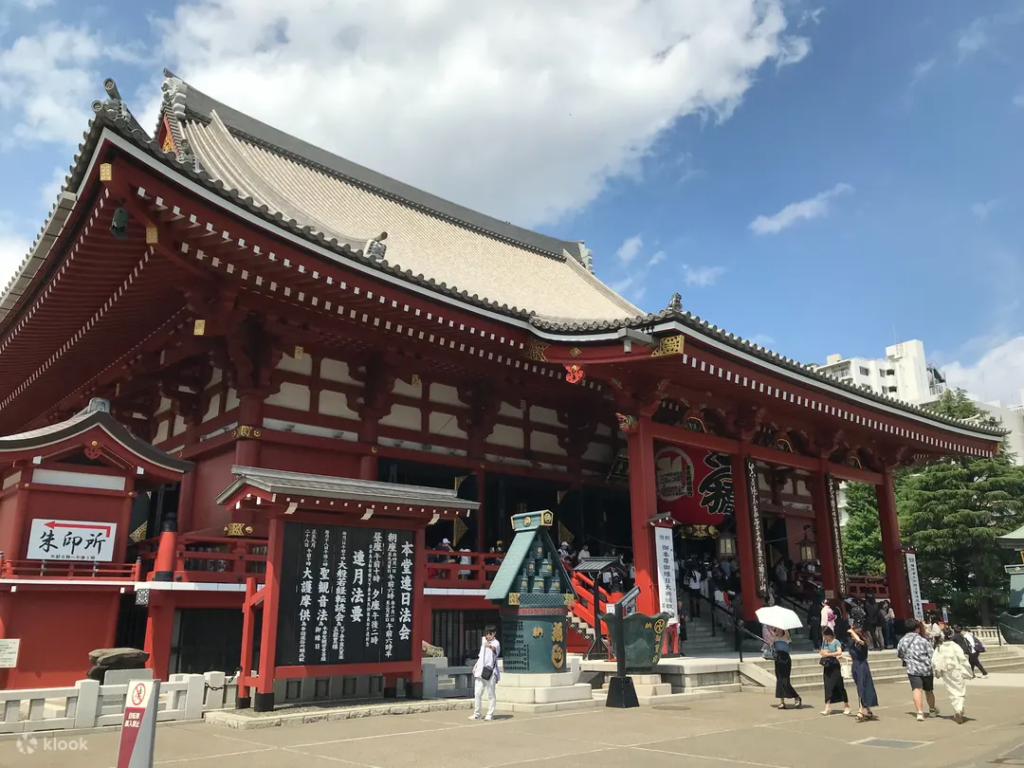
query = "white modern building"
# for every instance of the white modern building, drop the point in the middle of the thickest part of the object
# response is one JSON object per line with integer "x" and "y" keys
{"x": 904, "y": 373}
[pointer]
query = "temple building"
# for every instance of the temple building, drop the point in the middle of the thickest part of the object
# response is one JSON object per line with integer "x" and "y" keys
{"x": 265, "y": 409}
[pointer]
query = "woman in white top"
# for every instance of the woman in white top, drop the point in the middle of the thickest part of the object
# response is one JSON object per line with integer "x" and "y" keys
{"x": 486, "y": 673}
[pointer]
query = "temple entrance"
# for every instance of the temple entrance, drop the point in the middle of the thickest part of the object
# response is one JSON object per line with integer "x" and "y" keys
{"x": 206, "y": 640}
{"x": 459, "y": 633}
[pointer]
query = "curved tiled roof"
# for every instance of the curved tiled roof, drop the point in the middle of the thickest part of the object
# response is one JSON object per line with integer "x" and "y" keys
{"x": 114, "y": 115}
{"x": 448, "y": 243}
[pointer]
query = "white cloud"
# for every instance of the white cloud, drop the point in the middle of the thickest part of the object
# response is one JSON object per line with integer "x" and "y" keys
{"x": 983, "y": 210}
{"x": 47, "y": 82}
{"x": 515, "y": 109}
{"x": 630, "y": 249}
{"x": 810, "y": 17}
{"x": 921, "y": 70}
{"x": 997, "y": 375}
{"x": 805, "y": 210}
{"x": 35, "y": 5}
{"x": 701, "y": 277}
{"x": 972, "y": 39}
{"x": 656, "y": 259}
{"x": 13, "y": 249}
{"x": 48, "y": 194}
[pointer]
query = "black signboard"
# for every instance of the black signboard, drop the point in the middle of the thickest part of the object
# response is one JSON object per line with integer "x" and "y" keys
{"x": 346, "y": 596}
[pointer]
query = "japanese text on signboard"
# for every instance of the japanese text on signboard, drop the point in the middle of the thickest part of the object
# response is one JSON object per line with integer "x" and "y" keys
{"x": 346, "y": 595}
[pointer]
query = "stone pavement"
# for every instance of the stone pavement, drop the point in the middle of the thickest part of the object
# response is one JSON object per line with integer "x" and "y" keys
{"x": 736, "y": 730}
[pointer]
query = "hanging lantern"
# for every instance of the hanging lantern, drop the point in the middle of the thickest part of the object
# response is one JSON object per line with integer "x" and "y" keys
{"x": 726, "y": 544}
{"x": 808, "y": 551}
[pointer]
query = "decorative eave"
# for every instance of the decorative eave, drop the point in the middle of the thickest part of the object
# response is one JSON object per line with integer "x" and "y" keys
{"x": 338, "y": 494}
{"x": 659, "y": 326}
{"x": 95, "y": 430}
{"x": 1013, "y": 540}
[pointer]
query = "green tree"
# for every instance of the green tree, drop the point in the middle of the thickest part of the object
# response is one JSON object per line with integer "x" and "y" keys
{"x": 862, "y": 537}
{"x": 952, "y": 511}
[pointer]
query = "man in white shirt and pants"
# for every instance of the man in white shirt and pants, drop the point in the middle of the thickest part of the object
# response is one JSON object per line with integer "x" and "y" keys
{"x": 486, "y": 673}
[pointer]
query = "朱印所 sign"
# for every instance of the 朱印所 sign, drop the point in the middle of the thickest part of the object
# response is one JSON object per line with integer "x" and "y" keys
{"x": 51, "y": 539}
{"x": 346, "y": 595}
{"x": 9, "y": 652}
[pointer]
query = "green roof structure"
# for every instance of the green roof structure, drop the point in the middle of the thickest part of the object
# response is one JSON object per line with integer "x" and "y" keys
{"x": 531, "y": 572}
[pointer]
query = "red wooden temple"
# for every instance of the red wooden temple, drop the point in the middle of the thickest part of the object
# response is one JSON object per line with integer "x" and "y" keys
{"x": 278, "y": 343}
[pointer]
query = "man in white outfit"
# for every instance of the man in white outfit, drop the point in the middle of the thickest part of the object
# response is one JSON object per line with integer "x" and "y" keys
{"x": 486, "y": 673}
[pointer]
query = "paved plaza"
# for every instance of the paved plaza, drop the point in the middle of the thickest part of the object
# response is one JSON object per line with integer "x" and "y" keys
{"x": 737, "y": 730}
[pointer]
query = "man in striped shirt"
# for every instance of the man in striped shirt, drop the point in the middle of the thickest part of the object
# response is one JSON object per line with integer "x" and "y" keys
{"x": 916, "y": 652}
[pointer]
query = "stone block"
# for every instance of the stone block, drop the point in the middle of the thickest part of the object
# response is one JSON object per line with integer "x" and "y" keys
{"x": 558, "y": 695}
{"x": 524, "y": 680}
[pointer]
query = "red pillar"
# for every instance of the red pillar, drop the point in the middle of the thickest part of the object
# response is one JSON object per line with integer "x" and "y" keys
{"x": 643, "y": 505}
{"x": 159, "y": 631}
{"x": 244, "y": 701}
{"x": 899, "y": 593}
{"x": 481, "y": 542}
{"x": 823, "y": 524}
{"x": 745, "y": 538}
{"x": 250, "y": 414}
{"x": 264, "y": 701}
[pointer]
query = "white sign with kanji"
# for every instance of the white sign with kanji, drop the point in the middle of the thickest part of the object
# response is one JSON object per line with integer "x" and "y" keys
{"x": 71, "y": 540}
{"x": 666, "y": 573}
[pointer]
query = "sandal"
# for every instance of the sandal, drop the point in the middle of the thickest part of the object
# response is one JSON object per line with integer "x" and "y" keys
{"x": 781, "y": 706}
{"x": 861, "y": 717}
{"x": 826, "y": 713}
{"x": 799, "y": 703}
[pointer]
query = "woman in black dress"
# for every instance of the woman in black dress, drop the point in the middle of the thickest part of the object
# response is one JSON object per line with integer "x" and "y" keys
{"x": 832, "y": 673}
{"x": 783, "y": 668}
{"x": 862, "y": 674}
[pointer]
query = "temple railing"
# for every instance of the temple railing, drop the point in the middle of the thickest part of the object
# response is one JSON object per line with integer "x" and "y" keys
{"x": 446, "y": 570}
{"x": 65, "y": 570}
{"x": 212, "y": 559}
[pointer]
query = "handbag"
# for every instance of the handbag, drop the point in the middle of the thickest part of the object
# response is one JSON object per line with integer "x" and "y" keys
{"x": 846, "y": 670}
{"x": 768, "y": 653}
{"x": 487, "y": 673}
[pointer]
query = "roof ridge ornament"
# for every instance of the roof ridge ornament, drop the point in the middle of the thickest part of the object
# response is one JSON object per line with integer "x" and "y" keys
{"x": 173, "y": 112}
{"x": 114, "y": 109}
{"x": 675, "y": 304}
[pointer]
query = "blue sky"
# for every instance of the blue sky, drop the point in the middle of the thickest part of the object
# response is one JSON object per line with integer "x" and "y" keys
{"x": 861, "y": 182}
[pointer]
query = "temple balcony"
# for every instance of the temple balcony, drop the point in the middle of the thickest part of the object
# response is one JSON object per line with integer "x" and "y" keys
{"x": 68, "y": 570}
{"x": 208, "y": 559}
{"x": 446, "y": 571}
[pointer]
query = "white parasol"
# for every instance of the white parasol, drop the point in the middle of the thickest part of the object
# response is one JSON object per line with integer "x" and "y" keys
{"x": 779, "y": 617}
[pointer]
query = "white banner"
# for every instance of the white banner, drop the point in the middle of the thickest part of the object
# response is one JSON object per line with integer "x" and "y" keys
{"x": 666, "y": 573}
{"x": 52, "y": 539}
{"x": 915, "y": 586}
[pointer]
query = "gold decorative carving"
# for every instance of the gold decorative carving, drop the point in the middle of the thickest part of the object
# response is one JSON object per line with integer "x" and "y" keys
{"x": 547, "y": 519}
{"x": 557, "y": 656}
{"x": 527, "y": 521}
{"x": 416, "y": 380}
{"x": 248, "y": 432}
{"x": 570, "y": 601}
{"x": 168, "y": 145}
{"x": 669, "y": 345}
{"x": 558, "y": 632}
{"x": 575, "y": 352}
{"x": 513, "y": 598}
{"x": 106, "y": 172}
{"x": 139, "y": 533}
{"x": 659, "y": 626}
{"x": 535, "y": 350}
{"x": 237, "y": 529}
{"x": 152, "y": 235}
{"x": 299, "y": 352}
{"x": 199, "y": 328}
{"x": 538, "y": 631}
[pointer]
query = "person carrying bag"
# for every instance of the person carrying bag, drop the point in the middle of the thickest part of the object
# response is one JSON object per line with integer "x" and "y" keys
{"x": 486, "y": 673}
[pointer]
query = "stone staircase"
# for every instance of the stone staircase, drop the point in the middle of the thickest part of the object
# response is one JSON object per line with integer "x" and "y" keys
{"x": 886, "y": 667}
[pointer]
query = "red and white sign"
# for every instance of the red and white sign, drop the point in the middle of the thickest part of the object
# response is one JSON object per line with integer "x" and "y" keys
{"x": 138, "y": 728}
{"x": 51, "y": 539}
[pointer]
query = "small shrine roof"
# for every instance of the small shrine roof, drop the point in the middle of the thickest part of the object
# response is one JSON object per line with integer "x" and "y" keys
{"x": 1012, "y": 540}
{"x": 290, "y": 486}
{"x": 95, "y": 416}
{"x": 512, "y": 564}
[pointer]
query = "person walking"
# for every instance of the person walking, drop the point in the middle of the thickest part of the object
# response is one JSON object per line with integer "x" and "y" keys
{"x": 915, "y": 651}
{"x": 975, "y": 648}
{"x": 950, "y": 663}
{"x": 781, "y": 642}
{"x": 832, "y": 672}
{"x": 888, "y": 624}
{"x": 860, "y": 639}
{"x": 486, "y": 674}
{"x": 873, "y": 622}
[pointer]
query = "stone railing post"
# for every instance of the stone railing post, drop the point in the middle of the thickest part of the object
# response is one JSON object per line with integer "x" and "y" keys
{"x": 88, "y": 705}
